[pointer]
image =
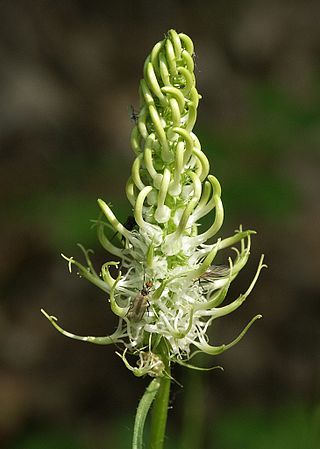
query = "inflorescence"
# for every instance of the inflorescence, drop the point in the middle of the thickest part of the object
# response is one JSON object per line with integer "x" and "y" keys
{"x": 167, "y": 291}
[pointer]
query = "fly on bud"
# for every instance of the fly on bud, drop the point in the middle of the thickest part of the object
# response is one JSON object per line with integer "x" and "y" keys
{"x": 215, "y": 272}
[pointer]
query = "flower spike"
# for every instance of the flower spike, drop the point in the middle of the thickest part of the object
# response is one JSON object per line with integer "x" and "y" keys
{"x": 164, "y": 285}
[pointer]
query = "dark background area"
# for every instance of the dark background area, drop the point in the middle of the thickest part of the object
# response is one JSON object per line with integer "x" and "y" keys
{"x": 69, "y": 73}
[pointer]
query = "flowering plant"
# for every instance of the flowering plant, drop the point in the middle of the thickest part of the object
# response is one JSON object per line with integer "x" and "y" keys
{"x": 167, "y": 291}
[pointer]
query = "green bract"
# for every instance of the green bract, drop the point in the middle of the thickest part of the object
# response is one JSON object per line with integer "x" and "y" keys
{"x": 167, "y": 292}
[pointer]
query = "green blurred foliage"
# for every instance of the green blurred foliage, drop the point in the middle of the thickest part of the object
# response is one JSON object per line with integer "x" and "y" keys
{"x": 49, "y": 440}
{"x": 250, "y": 158}
{"x": 64, "y": 210}
{"x": 293, "y": 426}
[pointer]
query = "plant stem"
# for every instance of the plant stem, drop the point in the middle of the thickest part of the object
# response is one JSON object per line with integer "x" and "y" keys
{"x": 142, "y": 411}
{"x": 159, "y": 413}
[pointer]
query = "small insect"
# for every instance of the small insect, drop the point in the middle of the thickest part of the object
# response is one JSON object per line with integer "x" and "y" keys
{"x": 195, "y": 59}
{"x": 134, "y": 115}
{"x": 140, "y": 303}
{"x": 129, "y": 224}
{"x": 215, "y": 272}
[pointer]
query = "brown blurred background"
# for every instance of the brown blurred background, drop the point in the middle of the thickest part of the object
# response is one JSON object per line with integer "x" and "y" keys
{"x": 69, "y": 73}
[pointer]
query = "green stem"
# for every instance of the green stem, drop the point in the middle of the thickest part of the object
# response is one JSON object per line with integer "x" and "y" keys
{"x": 160, "y": 412}
{"x": 142, "y": 411}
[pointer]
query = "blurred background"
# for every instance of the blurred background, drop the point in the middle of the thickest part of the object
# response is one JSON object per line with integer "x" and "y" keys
{"x": 69, "y": 75}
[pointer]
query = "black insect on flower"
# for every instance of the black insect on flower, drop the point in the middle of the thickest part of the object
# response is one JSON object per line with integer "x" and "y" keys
{"x": 140, "y": 303}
